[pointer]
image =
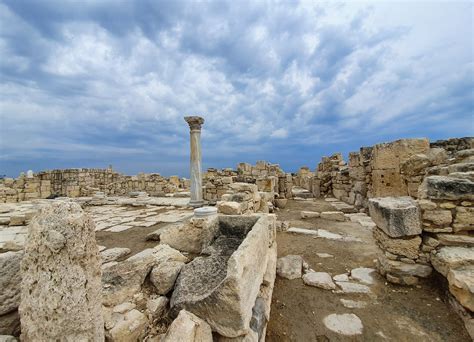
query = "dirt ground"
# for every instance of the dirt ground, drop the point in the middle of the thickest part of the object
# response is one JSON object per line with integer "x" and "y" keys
{"x": 393, "y": 313}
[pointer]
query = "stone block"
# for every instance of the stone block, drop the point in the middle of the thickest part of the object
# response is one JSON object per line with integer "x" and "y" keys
{"x": 333, "y": 216}
{"x": 402, "y": 269}
{"x": 391, "y": 155}
{"x": 438, "y": 217}
{"x": 396, "y": 216}
{"x": 449, "y": 188}
{"x": 309, "y": 214}
{"x": 229, "y": 207}
{"x": 290, "y": 266}
{"x": 388, "y": 182}
{"x": 408, "y": 247}
{"x": 447, "y": 258}
{"x": 461, "y": 285}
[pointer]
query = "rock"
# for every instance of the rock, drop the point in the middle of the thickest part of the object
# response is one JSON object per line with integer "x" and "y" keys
{"x": 189, "y": 238}
{"x": 123, "y": 308}
{"x": 464, "y": 219}
{"x": 348, "y": 287}
{"x": 290, "y": 266}
{"x": 461, "y": 285}
{"x": 363, "y": 274}
{"x": 408, "y": 247}
{"x": 324, "y": 255}
{"x": 7, "y": 338}
{"x": 10, "y": 280}
{"x": 344, "y": 324}
{"x": 113, "y": 254}
{"x": 447, "y": 258}
{"x": 122, "y": 280}
{"x": 455, "y": 240}
{"x": 10, "y": 323}
{"x": 341, "y": 277}
{"x": 155, "y": 236}
{"x": 353, "y": 304}
{"x": 128, "y": 327}
{"x": 167, "y": 267}
{"x": 333, "y": 216}
{"x": 319, "y": 279}
{"x": 302, "y": 231}
{"x": 402, "y": 269}
{"x": 438, "y": 217}
{"x": 229, "y": 208}
{"x": 309, "y": 214}
{"x": 444, "y": 187}
{"x": 61, "y": 277}
{"x": 396, "y": 216}
{"x": 156, "y": 306}
{"x": 188, "y": 327}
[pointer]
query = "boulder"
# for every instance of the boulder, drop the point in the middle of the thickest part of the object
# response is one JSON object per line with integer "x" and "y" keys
{"x": 396, "y": 216}
{"x": 10, "y": 280}
{"x": 187, "y": 327}
{"x": 168, "y": 264}
{"x": 322, "y": 280}
{"x": 290, "y": 266}
{"x": 61, "y": 277}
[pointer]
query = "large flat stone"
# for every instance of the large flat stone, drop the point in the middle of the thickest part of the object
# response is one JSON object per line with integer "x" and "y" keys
{"x": 402, "y": 269}
{"x": 322, "y": 280}
{"x": 447, "y": 258}
{"x": 344, "y": 324}
{"x": 396, "y": 216}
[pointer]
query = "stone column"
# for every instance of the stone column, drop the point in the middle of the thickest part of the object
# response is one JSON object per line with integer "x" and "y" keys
{"x": 195, "y": 123}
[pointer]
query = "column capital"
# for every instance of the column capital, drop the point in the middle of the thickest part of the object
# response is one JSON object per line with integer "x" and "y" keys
{"x": 194, "y": 122}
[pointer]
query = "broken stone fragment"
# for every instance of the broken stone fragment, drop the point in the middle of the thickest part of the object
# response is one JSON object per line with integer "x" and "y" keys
{"x": 322, "y": 280}
{"x": 168, "y": 264}
{"x": 290, "y": 266}
{"x": 188, "y": 327}
{"x": 129, "y": 326}
{"x": 229, "y": 208}
{"x": 113, "y": 254}
{"x": 396, "y": 216}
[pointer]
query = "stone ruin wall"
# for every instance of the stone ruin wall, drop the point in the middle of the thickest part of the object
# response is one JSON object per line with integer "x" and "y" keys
{"x": 267, "y": 177}
{"x": 85, "y": 182}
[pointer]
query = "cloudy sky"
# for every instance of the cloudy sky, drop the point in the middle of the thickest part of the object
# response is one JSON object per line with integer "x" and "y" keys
{"x": 92, "y": 83}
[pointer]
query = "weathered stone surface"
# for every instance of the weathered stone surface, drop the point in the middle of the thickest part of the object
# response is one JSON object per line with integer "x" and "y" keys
{"x": 363, "y": 275}
{"x": 309, "y": 214}
{"x": 188, "y": 327}
{"x": 322, "y": 280}
{"x": 10, "y": 279}
{"x": 438, "y": 217}
{"x": 455, "y": 240}
{"x": 341, "y": 277}
{"x": 10, "y": 323}
{"x": 222, "y": 285}
{"x": 229, "y": 208}
{"x": 61, "y": 277}
{"x": 402, "y": 269}
{"x": 113, "y": 254}
{"x": 156, "y": 306}
{"x": 408, "y": 247}
{"x": 353, "y": 304}
{"x": 7, "y": 338}
{"x": 296, "y": 230}
{"x": 344, "y": 324}
{"x": 464, "y": 219}
{"x": 129, "y": 326}
{"x": 447, "y": 258}
{"x": 396, "y": 216}
{"x": 461, "y": 285}
{"x": 290, "y": 266}
{"x": 348, "y": 287}
{"x": 443, "y": 187}
{"x": 190, "y": 238}
{"x": 167, "y": 267}
{"x": 333, "y": 216}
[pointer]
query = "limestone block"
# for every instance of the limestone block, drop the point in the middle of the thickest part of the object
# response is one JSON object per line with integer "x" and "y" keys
{"x": 391, "y": 155}
{"x": 461, "y": 285}
{"x": 438, "y": 217}
{"x": 222, "y": 287}
{"x": 229, "y": 208}
{"x": 402, "y": 269}
{"x": 61, "y": 277}
{"x": 408, "y": 247}
{"x": 333, "y": 216}
{"x": 455, "y": 240}
{"x": 415, "y": 165}
{"x": 396, "y": 216}
{"x": 10, "y": 279}
{"x": 450, "y": 188}
{"x": 309, "y": 214}
{"x": 447, "y": 258}
{"x": 464, "y": 219}
{"x": 388, "y": 182}
{"x": 290, "y": 266}
{"x": 187, "y": 327}
{"x": 128, "y": 327}
{"x": 168, "y": 265}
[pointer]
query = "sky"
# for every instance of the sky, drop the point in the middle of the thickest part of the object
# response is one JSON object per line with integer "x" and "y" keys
{"x": 98, "y": 83}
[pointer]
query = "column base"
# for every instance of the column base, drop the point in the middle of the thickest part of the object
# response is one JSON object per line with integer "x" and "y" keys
{"x": 196, "y": 204}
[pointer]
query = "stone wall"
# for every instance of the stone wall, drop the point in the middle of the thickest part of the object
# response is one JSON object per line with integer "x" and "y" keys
{"x": 269, "y": 178}
{"x": 388, "y": 169}
{"x": 84, "y": 182}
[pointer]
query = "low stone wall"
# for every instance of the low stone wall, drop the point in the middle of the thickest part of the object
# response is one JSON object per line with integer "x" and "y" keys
{"x": 84, "y": 182}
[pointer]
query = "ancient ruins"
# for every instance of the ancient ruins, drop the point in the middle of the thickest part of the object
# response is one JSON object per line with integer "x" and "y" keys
{"x": 380, "y": 247}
